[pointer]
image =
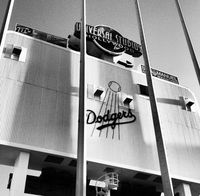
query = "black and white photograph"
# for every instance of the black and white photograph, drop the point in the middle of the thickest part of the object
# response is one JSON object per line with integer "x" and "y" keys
{"x": 99, "y": 98}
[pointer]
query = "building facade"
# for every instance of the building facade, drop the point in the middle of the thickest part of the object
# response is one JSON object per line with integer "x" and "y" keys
{"x": 39, "y": 121}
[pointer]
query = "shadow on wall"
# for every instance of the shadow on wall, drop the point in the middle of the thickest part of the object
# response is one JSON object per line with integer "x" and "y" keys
{"x": 39, "y": 108}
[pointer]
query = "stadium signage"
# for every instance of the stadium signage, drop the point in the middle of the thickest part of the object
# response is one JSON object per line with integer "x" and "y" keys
{"x": 109, "y": 40}
{"x": 161, "y": 75}
{"x": 41, "y": 35}
{"x": 110, "y": 119}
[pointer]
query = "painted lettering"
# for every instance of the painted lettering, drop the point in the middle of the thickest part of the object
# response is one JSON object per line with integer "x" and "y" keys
{"x": 110, "y": 119}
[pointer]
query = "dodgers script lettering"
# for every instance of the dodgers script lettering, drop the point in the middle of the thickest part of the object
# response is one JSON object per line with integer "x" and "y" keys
{"x": 110, "y": 119}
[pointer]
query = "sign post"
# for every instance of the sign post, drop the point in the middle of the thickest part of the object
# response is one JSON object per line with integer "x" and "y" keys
{"x": 5, "y": 24}
{"x": 189, "y": 43}
{"x": 81, "y": 169}
{"x": 162, "y": 155}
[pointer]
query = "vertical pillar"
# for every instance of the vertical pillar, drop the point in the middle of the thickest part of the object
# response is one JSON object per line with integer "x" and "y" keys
{"x": 162, "y": 154}
{"x": 19, "y": 174}
{"x": 189, "y": 42}
{"x": 81, "y": 169}
{"x": 5, "y": 24}
{"x": 183, "y": 190}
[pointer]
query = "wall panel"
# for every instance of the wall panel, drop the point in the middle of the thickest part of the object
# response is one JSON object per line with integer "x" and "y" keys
{"x": 39, "y": 108}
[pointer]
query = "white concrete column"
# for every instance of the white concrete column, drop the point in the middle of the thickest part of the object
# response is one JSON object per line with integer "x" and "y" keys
{"x": 183, "y": 190}
{"x": 19, "y": 174}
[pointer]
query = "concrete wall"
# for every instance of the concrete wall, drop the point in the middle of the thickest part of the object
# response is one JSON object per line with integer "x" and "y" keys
{"x": 39, "y": 109}
{"x": 4, "y": 179}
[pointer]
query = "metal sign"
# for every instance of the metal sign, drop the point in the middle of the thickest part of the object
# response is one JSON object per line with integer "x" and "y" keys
{"x": 109, "y": 40}
{"x": 41, "y": 35}
{"x": 106, "y": 39}
{"x": 161, "y": 75}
